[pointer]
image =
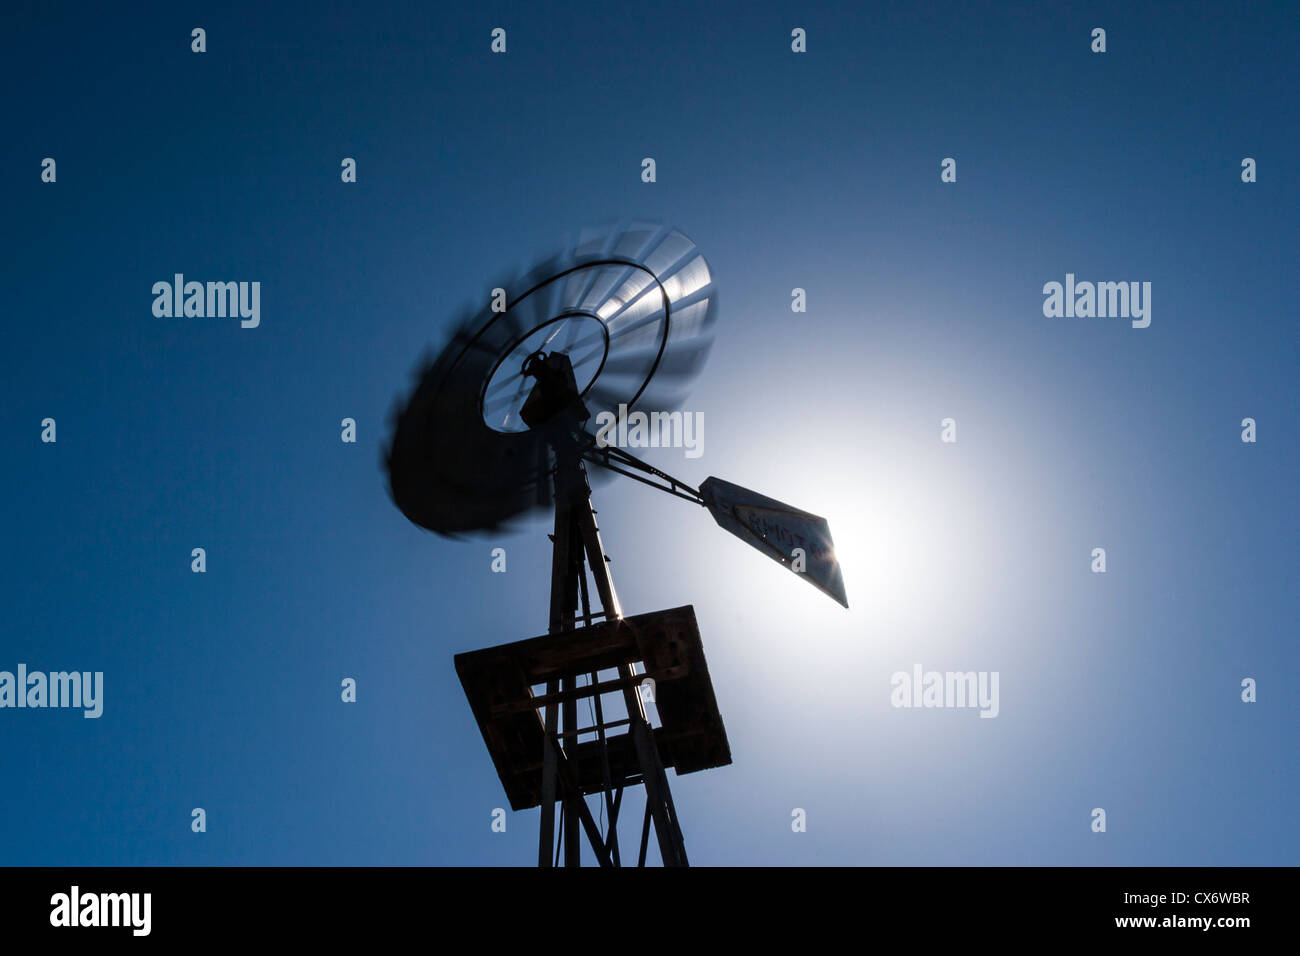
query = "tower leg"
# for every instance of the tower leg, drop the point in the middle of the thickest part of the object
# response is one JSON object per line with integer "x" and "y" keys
{"x": 577, "y": 544}
{"x": 564, "y": 598}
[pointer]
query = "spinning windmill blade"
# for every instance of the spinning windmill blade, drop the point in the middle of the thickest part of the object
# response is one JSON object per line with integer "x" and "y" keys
{"x": 632, "y": 310}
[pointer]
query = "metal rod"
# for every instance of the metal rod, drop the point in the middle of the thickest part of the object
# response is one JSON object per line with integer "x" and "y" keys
{"x": 559, "y": 576}
{"x": 606, "y": 773}
{"x": 583, "y": 813}
{"x": 577, "y": 693}
{"x": 645, "y": 833}
{"x": 611, "y": 838}
{"x": 694, "y": 498}
{"x": 594, "y": 729}
{"x": 601, "y": 455}
{"x": 572, "y": 834}
{"x": 590, "y": 536}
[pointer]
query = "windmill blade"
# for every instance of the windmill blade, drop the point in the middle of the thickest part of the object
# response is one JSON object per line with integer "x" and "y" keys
{"x": 682, "y": 362}
{"x": 460, "y": 459}
{"x": 669, "y": 252}
{"x": 607, "y": 395}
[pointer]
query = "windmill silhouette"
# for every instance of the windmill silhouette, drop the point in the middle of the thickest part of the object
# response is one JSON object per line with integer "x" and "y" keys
{"x": 497, "y": 428}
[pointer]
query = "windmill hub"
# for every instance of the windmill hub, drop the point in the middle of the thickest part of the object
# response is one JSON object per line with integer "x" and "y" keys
{"x": 554, "y": 399}
{"x": 508, "y": 384}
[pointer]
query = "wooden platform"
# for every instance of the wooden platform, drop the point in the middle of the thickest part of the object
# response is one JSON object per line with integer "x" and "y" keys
{"x": 498, "y": 682}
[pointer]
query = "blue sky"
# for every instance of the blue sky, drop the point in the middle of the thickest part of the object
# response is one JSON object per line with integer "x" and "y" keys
{"x": 819, "y": 171}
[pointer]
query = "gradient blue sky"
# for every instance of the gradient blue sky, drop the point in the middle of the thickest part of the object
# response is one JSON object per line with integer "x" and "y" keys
{"x": 924, "y": 302}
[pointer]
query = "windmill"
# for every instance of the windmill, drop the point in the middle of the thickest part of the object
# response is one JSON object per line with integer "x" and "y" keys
{"x": 497, "y": 428}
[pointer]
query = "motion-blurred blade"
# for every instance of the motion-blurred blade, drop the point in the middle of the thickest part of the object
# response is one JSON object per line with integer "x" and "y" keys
{"x": 677, "y": 362}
